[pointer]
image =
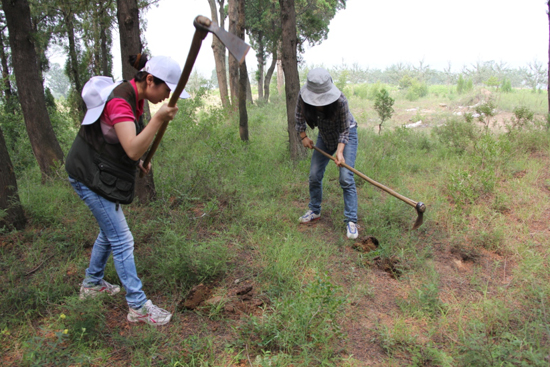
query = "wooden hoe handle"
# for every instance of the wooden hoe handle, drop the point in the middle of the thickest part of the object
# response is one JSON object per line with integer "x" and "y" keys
{"x": 199, "y": 35}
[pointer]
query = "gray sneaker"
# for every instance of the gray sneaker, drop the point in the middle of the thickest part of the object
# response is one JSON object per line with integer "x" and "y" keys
{"x": 96, "y": 290}
{"x": 310, "y": 216}
{"x": 150, "y": 314}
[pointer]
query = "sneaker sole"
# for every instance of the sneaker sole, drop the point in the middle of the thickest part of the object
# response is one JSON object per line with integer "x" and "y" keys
{"x": 94, "y": 293}
{"x": 309, "y": 221}
{"x": 145, "y": 319}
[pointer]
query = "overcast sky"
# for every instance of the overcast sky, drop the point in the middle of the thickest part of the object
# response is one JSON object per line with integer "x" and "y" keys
{"x": 377, "y": 34}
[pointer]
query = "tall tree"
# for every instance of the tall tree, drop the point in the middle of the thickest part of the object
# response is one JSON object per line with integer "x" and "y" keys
{"x": 6, "y": 83}
{"x": 30, "y": 87}
{"x": 97, "y": 26}
{"x": 548, "y": 83}
{"x": 269, "y": 73}
{"x": 73, "y": 67}
{"x": 264, "y": 30}
{"x": 9, "y": 197}
{"x": 130, "y": 44}
{"x": 219, "y": 52}
{"x": 292, "y": 80}
{"x": 243, "y": 78}
{"x": 232, "y": 15}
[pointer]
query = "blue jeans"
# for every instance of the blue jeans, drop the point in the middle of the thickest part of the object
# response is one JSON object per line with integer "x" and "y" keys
{"x": 347, "y": 182}
{"x": 114, "y": 236}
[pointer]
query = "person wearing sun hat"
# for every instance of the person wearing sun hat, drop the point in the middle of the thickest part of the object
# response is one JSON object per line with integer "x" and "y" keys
{"x": 102, "y": 164}
{"x": 321, "y": 104}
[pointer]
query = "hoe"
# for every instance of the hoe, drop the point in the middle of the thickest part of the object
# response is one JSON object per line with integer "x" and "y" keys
{"x": 236, "y": 46}
{"x": 419, "y": 206}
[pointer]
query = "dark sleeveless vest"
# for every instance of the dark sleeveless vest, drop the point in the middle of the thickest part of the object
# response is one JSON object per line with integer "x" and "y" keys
{"x": 105, "y": 168}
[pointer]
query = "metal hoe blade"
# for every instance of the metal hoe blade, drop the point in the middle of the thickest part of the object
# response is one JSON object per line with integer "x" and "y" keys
{"x": 234, "y": 44}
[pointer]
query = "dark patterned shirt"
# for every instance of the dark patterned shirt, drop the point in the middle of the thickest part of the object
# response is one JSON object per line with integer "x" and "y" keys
{"x": 332, "y": 131}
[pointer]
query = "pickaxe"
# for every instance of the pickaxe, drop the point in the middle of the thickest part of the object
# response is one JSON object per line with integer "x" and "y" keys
{"x": 203, "y": 25}
{"x": 419, "y": 206}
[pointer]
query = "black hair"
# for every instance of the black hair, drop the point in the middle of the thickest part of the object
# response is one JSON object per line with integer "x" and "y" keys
{"x": 310, "y": 111}
{"x": 138, "y": 62}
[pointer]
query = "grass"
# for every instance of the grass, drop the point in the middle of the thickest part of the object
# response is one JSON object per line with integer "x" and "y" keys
{"x": 470, "y": 287}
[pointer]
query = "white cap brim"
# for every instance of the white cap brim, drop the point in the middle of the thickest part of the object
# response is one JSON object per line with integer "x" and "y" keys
{"x": 92, "y": 114}
{"x": 183, "y": 94}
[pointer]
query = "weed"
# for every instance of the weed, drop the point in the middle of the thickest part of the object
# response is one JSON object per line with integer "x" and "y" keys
{"x": 306, "y": 320}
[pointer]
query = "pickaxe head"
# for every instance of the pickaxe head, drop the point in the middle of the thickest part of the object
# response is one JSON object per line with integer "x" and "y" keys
{"x": 234, "y": 44}
{"x": 420, "y": 209}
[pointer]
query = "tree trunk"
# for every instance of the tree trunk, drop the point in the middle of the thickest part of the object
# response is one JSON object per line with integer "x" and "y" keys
{"x": 105, "y": 54}
{"x": 280, "y": 72}
{"x": 219, "y": 56}
{"x": 269, "y": 74}
{"x": 292, "y": 79}
{"x": 5, "y": 71}
{"x": 260, "y": 56}
{"x": 44, "y": 144}
{"x": 9, "y": 198}
{"x": 248, "y": 88}
{"x": 130, "y": 44}
{"x": 244, "y": 82}
{"x": 73, "y": 59}
{"x": 233, "y": 63}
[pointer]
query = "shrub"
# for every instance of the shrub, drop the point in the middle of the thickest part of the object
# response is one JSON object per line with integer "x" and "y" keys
{"x": 384, "y": 106}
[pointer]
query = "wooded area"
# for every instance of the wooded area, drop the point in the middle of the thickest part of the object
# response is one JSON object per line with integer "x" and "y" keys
{"x": 216, "y": 231}
{"x": 85, "y": 28}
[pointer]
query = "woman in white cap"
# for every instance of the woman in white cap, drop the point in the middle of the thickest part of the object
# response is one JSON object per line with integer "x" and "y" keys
{"x": 102, "y": 164}
{"x": 321, "y": 104}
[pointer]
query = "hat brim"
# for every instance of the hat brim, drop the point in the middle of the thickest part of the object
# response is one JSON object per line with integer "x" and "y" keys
{"x": 92, "y": 114}
{"x": 183, "y": 94}
{"x": 322, "y": 99}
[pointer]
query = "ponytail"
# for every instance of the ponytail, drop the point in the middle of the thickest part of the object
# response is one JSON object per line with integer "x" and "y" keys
{"x": 138, "y": 62}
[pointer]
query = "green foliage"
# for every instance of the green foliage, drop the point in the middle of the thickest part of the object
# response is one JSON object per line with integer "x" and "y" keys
{"x": 523, "y": 116}
{"x": 486, "y": 112}
{"x": 186, "y": 262}
{"x": 488, "y": 342}
{"x": 414, "y": 89}
{"x": 506, "y": 86}
{"x": 306, "y": 320}
{"x": 460, "y": 85}
{"x": 424, "y": 301}
{"x": 457, "y": 135}
{"x": 383, "y": 106}
{"x": 493, "y": 81}
{"x": 342, "y": 79}
{"x": 469, "y": 85}
{"x": 227, "y": 210}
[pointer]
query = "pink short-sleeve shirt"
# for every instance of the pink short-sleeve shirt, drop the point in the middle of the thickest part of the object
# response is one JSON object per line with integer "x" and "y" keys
{"x": 118, "y": 110}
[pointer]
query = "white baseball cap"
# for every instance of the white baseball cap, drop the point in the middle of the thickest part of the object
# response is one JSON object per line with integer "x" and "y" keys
{"x": 166, "y": 70}
{"x": 95, "y": 94}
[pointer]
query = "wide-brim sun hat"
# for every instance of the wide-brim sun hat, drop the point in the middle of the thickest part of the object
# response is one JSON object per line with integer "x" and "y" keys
{"x": 319, "y": 90}
{"x": 95, "y": 94}
{"x": 167, "y": 70}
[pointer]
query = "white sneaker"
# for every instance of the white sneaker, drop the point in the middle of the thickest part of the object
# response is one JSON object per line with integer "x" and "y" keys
{"x": 310, "y": 216}
{"x": 150, "y": 314}
{"x": 352, "y": 230}
{"x": 96, "y": 290}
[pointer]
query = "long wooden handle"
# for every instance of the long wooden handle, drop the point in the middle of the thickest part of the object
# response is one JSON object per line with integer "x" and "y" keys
{"x": 199, "y": 35}
{"x": 379, "y": 185}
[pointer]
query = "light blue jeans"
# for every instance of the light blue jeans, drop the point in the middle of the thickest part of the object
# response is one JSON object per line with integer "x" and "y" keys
{"x": 114, "y": 236}
{"x": 347, "y": 182}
